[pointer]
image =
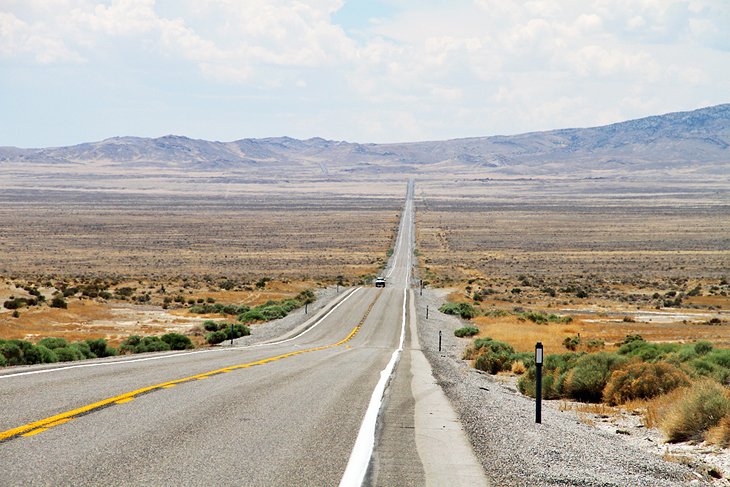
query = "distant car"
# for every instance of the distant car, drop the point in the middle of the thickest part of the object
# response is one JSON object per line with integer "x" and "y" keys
{"x": 379, "y": 282}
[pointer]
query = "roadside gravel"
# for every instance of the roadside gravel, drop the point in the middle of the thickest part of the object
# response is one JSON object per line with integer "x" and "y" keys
{"x": 513, "y": 449}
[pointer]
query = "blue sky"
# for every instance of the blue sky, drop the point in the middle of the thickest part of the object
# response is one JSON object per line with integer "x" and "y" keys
{"x": 368, "y": 71}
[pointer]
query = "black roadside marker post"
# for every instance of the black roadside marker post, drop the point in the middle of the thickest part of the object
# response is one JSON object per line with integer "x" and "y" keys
{"x": 439, "y": 340}
{"x": 231, "y": 334}
{"x": 538, "y": 382}
{"x": 305, "y": 308}
{"x": 426, "y": 311}
{"x": 421, "y": 287}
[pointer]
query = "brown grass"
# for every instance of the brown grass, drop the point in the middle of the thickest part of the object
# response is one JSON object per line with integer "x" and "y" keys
{"x": 701, "y": 406}
{"x": 524, "y": 334}
{"x": 309, "y": 236}
{"x": 720, "y": 434}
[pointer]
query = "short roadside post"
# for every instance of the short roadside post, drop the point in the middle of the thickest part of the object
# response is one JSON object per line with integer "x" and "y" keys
{"x": 231, "y": 334}
{"x": 426, "y": 311}
{"x": 439, "y": 340}
{"x": 421, "y": 294}
{"x": 538, "y": 382}
{"x": 305, "y": 308}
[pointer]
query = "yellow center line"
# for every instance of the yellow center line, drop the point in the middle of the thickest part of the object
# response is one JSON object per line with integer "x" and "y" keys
{"x": 42, "y": 425}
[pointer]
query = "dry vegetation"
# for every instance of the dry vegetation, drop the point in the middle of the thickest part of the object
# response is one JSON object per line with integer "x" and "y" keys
{"x": 585, "y": 267}
{"x": 312, "y": 236}
{"x": 135, "y": 263}
{"x": 620, "y": 260}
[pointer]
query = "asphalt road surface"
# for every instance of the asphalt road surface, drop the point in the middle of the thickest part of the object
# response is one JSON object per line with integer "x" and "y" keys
{"x": 334, "y": 405}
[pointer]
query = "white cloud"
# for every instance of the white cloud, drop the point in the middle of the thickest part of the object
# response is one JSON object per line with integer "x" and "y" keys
{"x": 429, "y": 68}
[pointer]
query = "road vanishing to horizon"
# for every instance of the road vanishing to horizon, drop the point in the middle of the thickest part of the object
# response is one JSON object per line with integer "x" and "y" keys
{"x": 345, "y": 399}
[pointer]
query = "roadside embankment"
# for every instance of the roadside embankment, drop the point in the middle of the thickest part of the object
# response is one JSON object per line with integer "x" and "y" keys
{"x": 512, "y": 448}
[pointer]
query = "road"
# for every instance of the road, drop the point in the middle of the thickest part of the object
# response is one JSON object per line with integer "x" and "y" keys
{"x": 336, "y": 404}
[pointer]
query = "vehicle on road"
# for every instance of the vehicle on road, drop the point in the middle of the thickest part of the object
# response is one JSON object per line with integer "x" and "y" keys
{"x": 379, "y": 282}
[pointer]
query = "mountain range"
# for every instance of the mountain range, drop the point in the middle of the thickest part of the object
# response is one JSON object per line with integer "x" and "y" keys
{"x": 684, "y": 143}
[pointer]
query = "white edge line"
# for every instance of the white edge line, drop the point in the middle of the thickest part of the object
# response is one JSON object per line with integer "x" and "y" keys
{"x": 161, "y": 357}
{"x": 357, "y": 465}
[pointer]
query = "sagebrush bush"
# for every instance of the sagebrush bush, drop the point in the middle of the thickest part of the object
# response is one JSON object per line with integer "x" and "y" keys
{"x": 83, "y": 349}
{"x": 702, "y": 407}
{"x": 47, "y": 355}
{"x": 152, "y": 344}
{"x": 493, "y": 356}
{"x": 215, "y": 337}
{"x": 555, "y": 369}
{"x": 463, "y": 310}
{"x": 67, "y": 354}
{"x": 53, "y": 342}
{"x": 643, "y": 381}
{"x": 466, "y": 331}
{"x": 3, "y": 361}
{"x": 100, "y": 348}
{"x": 129, "y": 344}
{"x": 176, "y": 341}
{"x": 586, "y": 380}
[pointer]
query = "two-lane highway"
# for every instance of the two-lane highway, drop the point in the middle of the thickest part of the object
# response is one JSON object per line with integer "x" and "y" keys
{"x": 305, "y": 410}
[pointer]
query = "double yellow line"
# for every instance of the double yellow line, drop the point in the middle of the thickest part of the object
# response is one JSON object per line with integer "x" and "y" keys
{"x": 42, "y": 425}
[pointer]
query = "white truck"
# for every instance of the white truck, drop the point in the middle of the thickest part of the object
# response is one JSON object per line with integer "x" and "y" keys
{"x": 379, "y": 282}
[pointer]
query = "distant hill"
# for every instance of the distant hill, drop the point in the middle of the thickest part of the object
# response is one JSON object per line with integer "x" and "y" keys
{"x": 684, "y": 143}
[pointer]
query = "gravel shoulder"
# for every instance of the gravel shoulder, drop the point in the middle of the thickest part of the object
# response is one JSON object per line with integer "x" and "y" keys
{"x": 512, "y": 448}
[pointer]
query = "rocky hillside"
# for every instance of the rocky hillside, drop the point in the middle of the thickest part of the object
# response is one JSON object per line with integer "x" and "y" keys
{"x": 685, "y": 143}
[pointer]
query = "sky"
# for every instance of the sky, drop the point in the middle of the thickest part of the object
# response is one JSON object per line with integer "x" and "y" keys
{"x": 75, "y": 71}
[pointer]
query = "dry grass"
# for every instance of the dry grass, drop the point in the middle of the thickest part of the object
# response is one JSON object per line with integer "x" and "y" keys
{"x": 114, "y": 319}
{"x": 523, "y": 335}
{"x": 313, "y": 236}
{"x": 720, "y": 435}
{"x": 696, "y": 409}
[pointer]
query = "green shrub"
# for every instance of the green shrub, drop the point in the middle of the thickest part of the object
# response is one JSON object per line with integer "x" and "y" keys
{"x": 703, "y": 367}
{"x": 130, "y": 344}
{"x": 251, "y": 315}
{"x": 53, "y": 342}
{"x": 306, "y": 297}
{"x": 100, "y": 348}
{"x": 29, "y": 353}
{"x": 237, "y": 331}
{"x": 586, "y": 380}
{"x": 555, "y": 370}
{"x": 210, "y": 325}
{"x": 595, "y": 344}
{"x": 58, "y": 302}
{"x": 176, "y": 341}
{"x": 643, "y": 381}
{"x": 543, "y": 318}
{"x": 67, "y": 354}
{"x": 648, "y": 352}
{"x": 152, "y": 344}
{"x": 493, "y": 356}
{"x": 720, "y": 357}
{"x": 216, "y": 337}
{"x": 48, "y": 356}
{"x": 466, "y": 331}
{"x": 572, "y": 343}
{"x": 464, "y": 310}
{"x": 703, "y": 347}
{"x": 83, "y": 349}
{"x": 702, "y": 407}
{"x": 3, "y": 361}
{"x": 12, "y": 352}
